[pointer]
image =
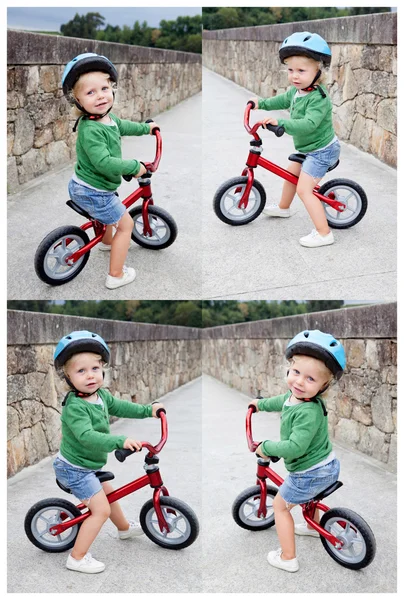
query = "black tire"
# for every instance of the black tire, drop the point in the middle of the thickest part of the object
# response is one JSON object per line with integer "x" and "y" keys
{"x": 160, "y": 219}
{"x": 183, "y": 517}
{"x": 58, "y": 511}
{"x": 356, "y": 203}
{"x": 226, "y": 197}
{"x": 50, "y": 257}
{"x": 359, "y": 542}
{"x": 250, "y": 499}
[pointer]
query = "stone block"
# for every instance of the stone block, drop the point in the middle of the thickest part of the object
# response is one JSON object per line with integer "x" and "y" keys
{"x": 355, "y": 351}
{"x": 361, "y": 134}
{"x": 32, "y": 165}
{"x": 347, "y": 432}
{"x": 24, "y": 133}
{"x": 16, "y": 458}
{"x": 366, "y": 105}
{"x": 392, "y": 460}
{"x": 372, "y": 356}
{"x": 381, "y": 410}
{"x": 362, "y": 414}
{"x": 350, "y": 88}
{"x": 49, "y": 78}
{"x": 30, "y": 412}
{"x": 372, "y": 442}
{"x": 32, "y": 80}
{"x": 10, "y": 138}
{"x": 387, "y": 115}
{"x": 12, "y": 175}
{"x": 344, "y": 406}
{"x": 13, "y": 427}
{"x": 43, "y": 136}
{"x": 35, "y": 443}
{"x": 20, "y": 359}
{"x": 52, "y": 428}
{"x": 57, "y": 154}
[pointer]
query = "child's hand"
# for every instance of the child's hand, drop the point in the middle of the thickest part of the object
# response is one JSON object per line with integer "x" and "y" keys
{"x": 152, "y": 126}
{"x": 142, "y": 171}
{"x": 269, "y": 121}
{"x": 255, "y": 403}
{"x": 155, "y": 408}
{"x": 132, "y": 445}
{"x": 255, "y": 100}
{"x": 260, "y": 452}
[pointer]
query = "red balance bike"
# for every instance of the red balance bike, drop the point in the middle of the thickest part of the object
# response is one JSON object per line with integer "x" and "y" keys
{"x": 53, "y": 524}
{"x": 346, "y": 537}
{"x": 240, "y": 200}
{"x": 64, "y": 252}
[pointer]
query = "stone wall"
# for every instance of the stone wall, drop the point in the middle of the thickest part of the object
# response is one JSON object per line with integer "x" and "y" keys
{"x": 362, "y": 406}
{"x": 147, "y": 361}
{"x": 40, "y": 121}
{"x": 362, "y": 79}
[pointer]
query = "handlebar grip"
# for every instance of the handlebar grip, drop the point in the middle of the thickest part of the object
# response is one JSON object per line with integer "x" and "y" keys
{"x": 159, "y": 411}
{"x": 252, "y": 104}
{"x": 127, "y": 177}
{"x": 278, "y": 130}
{"x": 254, "y": 408}
{"x": 123, "y": 453}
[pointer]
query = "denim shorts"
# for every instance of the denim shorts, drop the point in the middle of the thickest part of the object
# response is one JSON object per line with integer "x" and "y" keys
{"x": 299, "y": 488}
{"x": 103, "y": 206}
{"x": 83, "y": 483}
{"x": 318, "y": 161}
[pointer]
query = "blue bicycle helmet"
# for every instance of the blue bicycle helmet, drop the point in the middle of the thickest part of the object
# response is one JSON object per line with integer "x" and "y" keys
{"x": 304, "y": 43}
{"x": 322, "y": 346}
{"x": 84, "y": 63}
{"x": 79, "y": 341}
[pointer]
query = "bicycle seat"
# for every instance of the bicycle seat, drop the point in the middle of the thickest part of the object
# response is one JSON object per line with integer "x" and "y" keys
{"x": 79, "y": 210}
{"x": 328, "y": 491}
{"x": 102, "y": 476}
{"x": 300, "y": 158}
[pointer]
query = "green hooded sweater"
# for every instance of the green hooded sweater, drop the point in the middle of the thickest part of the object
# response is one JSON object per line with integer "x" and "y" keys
{"x": 304, "y": 432}
{"x": 86, "y": 439}
{"x": 310, "y": 121}
{"x": 99, "y": 156}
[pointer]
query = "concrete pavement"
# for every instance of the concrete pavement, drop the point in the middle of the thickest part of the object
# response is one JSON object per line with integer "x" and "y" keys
{"x": 234, "y": 559}
{"x": 173, "y": 273}
{"x": 136, "y": 565}
{"x": 264, "y": 260}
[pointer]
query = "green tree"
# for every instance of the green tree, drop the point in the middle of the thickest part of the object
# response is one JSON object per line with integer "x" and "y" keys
{"x": 84, "y": 26}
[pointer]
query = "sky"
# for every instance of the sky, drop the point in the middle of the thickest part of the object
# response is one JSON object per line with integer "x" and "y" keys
{"x": 51, "y": 18}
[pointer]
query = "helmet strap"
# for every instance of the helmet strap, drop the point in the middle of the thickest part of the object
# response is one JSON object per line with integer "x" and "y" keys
{"x": 312, "y": 86}
{"x": 76, "y": 391}
{"x": 88, "y": 115}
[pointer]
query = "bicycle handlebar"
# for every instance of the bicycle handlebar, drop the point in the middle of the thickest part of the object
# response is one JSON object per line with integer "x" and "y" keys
{"x": 252, "y": 446}
{"x": 278, "y": 130}
{"x": 123, "y": 453}
{"x": 151, "y": 167}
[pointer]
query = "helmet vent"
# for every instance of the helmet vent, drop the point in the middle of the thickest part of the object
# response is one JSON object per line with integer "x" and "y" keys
{"x": 306, "y": 334}
{"x": 306, "y": 39}
{"x": 333, "y": 344}
{"x": 68, "y": 337}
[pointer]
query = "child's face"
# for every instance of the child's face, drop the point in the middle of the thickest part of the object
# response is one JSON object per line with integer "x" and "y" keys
{"x": 94, "y": 92}
{"x": 85, "y": 371}
{"x": 301, "y": 71}
{"x": 307, "y": 376}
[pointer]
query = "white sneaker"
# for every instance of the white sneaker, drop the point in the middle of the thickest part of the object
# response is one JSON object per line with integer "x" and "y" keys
{"x": 134, "y": 531}
{"x": 129, "y": 275}
{"x": 274, "y": 559}
{"x": 87, "y": 564}
{"x": 314, "y": 239}
{"x": 302, "y": 529}
{"x": 273, "y": 210}
{"x": 104, "y": 247}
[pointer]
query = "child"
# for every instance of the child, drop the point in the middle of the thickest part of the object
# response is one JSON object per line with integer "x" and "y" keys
{"x": 316, "y": 358}
{"x": 86, "y": 440}
{"x": 89, "y": 82}
{"x": 310, "y": 124}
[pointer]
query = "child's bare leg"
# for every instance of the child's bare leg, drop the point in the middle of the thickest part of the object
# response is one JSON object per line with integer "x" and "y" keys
{"x": 312, "y": 203}
{"x": 116, "y": 516}
{"x": 120, "y": 245}
{"x": 100, "y": 511}
{"x": 289, "y": 189}
{"x": 316, "y": 518}
{"x": 108, "y": 235}
{"x": 285, "y": 527}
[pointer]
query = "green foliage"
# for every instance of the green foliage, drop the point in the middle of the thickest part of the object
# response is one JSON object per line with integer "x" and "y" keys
{"x": 226, "y": 17}
{"x": 185, "y": 33}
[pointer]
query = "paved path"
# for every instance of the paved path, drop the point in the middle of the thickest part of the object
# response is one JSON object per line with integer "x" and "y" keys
{"x": 136, "y": 565}
{"x": 173, "y": 273}
{"x": 235, "y": 559}
{"x": 264, "y": 260}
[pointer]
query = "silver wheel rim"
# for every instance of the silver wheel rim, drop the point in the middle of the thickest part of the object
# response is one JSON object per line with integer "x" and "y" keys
{"x": 354, "y": 545}
{"x": 347, "y": 196}
{"x": 248, "y": 511}
{"x": 230, "y": 200}
{"x": 179, "y": 526}
{"x": 160, "y": 230}
{"x": 49, "y": 517}
{"x": 54, "y": 263}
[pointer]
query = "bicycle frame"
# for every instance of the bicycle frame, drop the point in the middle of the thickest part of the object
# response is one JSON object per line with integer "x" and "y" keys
{"x": 256, "y": 160}
{"x": 264, "y": 472}
{"x": 151, "y": 478}
{"x": 144, "y": 191}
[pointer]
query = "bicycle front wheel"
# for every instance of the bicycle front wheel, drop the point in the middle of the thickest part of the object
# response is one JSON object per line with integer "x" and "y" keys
{"x": 181, "y": 519}
{"x": 227, "y": 199}
{"x": 246, "y": 505}
{"x": 164, "y": 228}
